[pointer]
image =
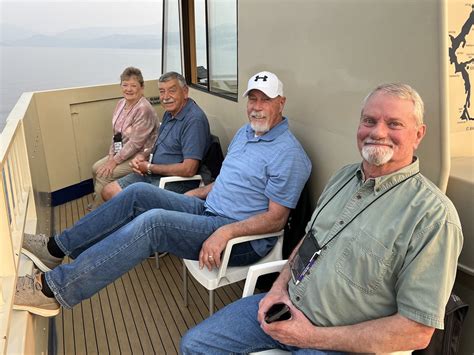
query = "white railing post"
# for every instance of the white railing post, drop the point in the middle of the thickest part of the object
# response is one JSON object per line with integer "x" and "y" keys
{"x": 15, "y": 195}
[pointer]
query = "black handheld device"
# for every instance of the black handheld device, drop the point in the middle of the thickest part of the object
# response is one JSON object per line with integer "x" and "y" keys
{"x": 278, "y": 312}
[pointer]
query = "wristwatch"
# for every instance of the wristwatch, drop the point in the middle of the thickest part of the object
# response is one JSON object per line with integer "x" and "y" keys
{"x": 148, "y": 169}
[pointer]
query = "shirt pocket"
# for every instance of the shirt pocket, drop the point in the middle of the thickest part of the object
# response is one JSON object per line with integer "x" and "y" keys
{"x": 364, "y": 262}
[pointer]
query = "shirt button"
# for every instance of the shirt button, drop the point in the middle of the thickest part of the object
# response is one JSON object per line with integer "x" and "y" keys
{"x": 358, "y": 197}
{"x": 297, "y": 298}
{"x": 341, "y": 222}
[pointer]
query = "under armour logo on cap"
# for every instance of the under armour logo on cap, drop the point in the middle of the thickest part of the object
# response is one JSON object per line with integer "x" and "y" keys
{"x": 266, "y": 82}
{"x": 264, "y": 78}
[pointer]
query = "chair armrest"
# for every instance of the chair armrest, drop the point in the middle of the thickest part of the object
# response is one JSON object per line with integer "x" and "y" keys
{"x": 167, "y": 179}
{"x": 246, "y": 238}
{"x": 255, "y": 271}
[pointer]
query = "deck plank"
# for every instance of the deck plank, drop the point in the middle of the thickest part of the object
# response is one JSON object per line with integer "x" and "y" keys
{"x": 77, "y": 312}
{"x": 129, "y": 322}
{"x": 107, "y": 312}
{"x": 99, "y": 325}
{"x": 141, "y": 312}
{"x": 119, "y": 323}
{"x": 68, "y": 341}
{"x": 162, "y": 319}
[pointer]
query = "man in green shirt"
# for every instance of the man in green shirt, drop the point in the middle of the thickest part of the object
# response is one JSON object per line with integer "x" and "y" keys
{"x": 377, "y": 265}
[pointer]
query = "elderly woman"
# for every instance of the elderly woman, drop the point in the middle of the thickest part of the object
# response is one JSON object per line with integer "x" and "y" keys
{"x": 134, "y": 124}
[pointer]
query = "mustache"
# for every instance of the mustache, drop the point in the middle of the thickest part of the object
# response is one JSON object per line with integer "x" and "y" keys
{"x": 378, "y": 141}
{"x": 169, "y": 101}
{"x": 257, "y": 115}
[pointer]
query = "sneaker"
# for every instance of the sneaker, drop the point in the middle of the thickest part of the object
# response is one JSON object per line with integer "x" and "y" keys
{"x": 35, "y": 248}
{"x": 29, "y": 297}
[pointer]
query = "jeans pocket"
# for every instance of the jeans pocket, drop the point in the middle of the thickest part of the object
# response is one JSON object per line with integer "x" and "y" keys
{"x": 364, "y": 262}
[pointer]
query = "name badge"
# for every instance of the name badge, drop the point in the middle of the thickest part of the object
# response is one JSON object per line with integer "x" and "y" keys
{"x": 305, "y": 257}
{"x": 117, "y": 142}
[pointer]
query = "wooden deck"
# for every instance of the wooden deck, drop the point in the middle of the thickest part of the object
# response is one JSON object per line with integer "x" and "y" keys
{"x": 142, "y": 312}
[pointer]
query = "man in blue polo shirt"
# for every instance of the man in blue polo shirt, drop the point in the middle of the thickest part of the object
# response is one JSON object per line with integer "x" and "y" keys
{"x": 260, "y": 181}
{"x": 182, "y": 142}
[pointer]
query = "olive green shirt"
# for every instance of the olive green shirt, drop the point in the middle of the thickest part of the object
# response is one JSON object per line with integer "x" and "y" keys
{"x": 398, "y": 254}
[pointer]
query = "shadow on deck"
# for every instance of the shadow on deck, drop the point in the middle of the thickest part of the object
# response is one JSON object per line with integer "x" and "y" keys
{"x": 141, "y": 312}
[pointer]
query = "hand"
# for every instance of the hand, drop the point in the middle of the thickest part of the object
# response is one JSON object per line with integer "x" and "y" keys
{"x": 210, "y": 254}
{"x": 296, "y": 331}
{"x": 272, "y": 297}
{"x": 138, "y": 163}
{"x": 107, "y": 168}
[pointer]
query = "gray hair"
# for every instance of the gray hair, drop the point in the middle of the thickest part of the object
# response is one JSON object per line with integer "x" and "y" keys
{"x": 402, "y": 91}
{"x": 171, "y": 76}
{"x": 130, "y": 72}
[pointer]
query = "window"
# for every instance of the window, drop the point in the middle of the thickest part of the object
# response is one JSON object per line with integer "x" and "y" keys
{"x": 223, "y": 46}
{"x": 171, "y": 37}
{"x": 208, "y": 50}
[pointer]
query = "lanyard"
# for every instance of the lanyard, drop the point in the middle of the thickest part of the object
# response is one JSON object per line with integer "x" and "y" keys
{"x": 303, "y": 260}
{"x": 358, "y": 213}
{"x": 158, "y": 140}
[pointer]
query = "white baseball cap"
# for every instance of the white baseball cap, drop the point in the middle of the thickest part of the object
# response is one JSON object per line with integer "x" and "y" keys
{"x": 266, "y": 82}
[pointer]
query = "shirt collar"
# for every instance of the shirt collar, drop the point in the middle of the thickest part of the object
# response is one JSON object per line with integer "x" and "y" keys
{"x": 384, "y": 182}
{"x": 270, "y": 135}
{"x": 186, "y": 108}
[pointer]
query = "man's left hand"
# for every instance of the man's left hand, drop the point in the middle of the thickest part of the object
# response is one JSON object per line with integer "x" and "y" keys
{"x": 210, "y": 254}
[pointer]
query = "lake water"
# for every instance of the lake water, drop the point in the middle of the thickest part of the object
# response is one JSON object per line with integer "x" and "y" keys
{"x": 24, "y": 69}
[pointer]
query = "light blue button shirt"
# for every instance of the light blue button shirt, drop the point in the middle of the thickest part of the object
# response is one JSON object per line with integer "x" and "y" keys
{"x": 273, "y": 166}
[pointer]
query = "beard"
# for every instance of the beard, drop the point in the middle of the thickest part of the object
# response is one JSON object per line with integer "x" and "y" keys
{"x": 376, "y": 154}
{"x": 258, "y": 123}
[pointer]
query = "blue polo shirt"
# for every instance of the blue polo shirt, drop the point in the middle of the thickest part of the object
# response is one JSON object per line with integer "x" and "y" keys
{"x": 185, "y": 136}
{"x": 273, "y": 166}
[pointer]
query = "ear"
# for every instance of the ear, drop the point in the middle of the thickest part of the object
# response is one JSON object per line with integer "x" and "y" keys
{"x": 420, "y": 133}
{"x": 282, "y": 103}
{"x": 186, "y": 92}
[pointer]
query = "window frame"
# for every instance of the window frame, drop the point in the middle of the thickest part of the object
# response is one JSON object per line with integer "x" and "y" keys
{"x": 189, "y": 48}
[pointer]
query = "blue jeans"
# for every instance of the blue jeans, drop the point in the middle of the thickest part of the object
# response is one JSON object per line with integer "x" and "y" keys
{"x": 236, "y": 330}
{"x": 125, "y": 230}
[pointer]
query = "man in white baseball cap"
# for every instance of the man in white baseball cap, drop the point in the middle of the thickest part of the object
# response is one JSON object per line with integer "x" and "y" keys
{"x": 265, "y": 102}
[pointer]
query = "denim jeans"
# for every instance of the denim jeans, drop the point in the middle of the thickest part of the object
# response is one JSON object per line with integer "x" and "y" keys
{"x": 124, "y": 231}
{"x": 236, "y": 330}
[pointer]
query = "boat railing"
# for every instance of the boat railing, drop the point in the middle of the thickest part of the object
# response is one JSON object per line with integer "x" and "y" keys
{"x": 17, "y": 209}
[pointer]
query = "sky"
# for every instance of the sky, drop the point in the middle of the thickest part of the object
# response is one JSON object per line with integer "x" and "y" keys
{"x": 51, "y": 17}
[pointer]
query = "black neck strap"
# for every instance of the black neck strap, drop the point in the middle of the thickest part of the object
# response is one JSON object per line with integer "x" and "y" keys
{"x": 358, "y": 213}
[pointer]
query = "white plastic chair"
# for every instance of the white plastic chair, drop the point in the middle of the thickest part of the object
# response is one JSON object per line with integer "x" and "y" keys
{"x": 168, "y": 179}
{"x": 226, "y": 274}
{"x": 161, "y": 185}
{"x": 255, "y": 271}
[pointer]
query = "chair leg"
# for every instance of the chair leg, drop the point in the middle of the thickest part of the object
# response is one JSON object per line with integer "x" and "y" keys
{"x": 211, "y": 302}
{"x": 185, "y": 285}
{"x": 157, "y": 260}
